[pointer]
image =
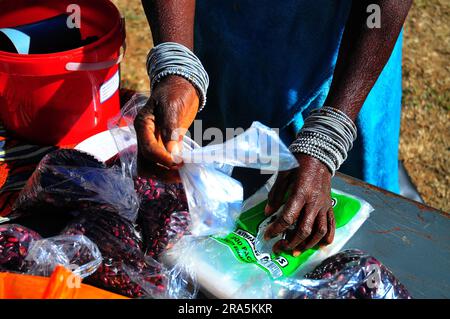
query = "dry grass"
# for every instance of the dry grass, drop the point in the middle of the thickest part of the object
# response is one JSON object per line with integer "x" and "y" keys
{"x": 139, "y": 42}
{"x": 424, "y": 143}
{"x": 425, "y": 132}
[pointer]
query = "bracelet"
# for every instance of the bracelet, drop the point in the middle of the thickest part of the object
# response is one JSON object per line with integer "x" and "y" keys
{"x": 327, "y": 134}
{"x": 170, "y": 58}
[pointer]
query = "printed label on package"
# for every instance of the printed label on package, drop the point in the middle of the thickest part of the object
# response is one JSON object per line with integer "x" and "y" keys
{"x": 242, "y": 241}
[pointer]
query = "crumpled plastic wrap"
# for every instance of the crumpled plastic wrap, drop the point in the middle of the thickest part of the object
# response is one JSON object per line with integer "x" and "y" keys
{"x": 350, "y": 274}
{"x": 67, "y": 180}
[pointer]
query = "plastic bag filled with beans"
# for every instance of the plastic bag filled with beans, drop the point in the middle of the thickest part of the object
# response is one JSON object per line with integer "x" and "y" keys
{"x": 125, "y": 269}
{"x": 75, "y": 252}
{"x": 350, "y": 274}
{"x": 163, "y": 214}
{"x": 163, "y": 210}
{"x": 15, "y": 242}
{"x": 22, "y": 250}
{"x": 67, "y": 180}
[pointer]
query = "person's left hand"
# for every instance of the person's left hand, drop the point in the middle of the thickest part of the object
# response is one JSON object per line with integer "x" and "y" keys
{"x": 309, "y": 207}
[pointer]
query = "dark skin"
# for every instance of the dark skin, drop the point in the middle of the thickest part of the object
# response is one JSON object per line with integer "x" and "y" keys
{"x": 174, "y": 104}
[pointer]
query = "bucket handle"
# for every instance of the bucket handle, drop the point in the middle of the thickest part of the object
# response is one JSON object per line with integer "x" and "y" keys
{"x": 95, "y": 66}
{"x": 87, "y": 66}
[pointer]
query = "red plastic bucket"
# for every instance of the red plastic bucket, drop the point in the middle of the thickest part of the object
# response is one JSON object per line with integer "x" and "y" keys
{"x": 62, "y": 98}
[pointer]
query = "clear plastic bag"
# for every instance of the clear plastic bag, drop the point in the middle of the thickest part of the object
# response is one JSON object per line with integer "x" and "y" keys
{"x": 350, "y": 274}
{"x": 163, "y": 214}
{"x": 218, "y": 273}
{"x": 22, "y": 250}
{"x": 350, "y": 213}
{"x": 67, "y": 180}
{"x": 243, "y": 265}
{"x": 214, "y": 198}
{"x": 125, "y": 269}
{"x": 77, "y": 253}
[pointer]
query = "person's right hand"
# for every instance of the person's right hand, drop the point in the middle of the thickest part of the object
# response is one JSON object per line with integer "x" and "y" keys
{"x": 161, "y": 124}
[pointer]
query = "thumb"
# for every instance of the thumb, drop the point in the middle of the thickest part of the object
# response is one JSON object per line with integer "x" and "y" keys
{"x": 175, "y": 149}
{"x": 149, "y": 145}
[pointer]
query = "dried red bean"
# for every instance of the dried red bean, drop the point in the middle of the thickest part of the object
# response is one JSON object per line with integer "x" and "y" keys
{"x": 125, "y": 269}
{"x": 163, "y": 214}
{"x": 14, "y": 243}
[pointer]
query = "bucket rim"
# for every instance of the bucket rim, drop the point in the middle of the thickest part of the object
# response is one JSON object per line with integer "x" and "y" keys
{"x": 80, "y": 51}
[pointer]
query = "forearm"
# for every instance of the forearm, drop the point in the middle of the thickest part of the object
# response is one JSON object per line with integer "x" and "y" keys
{"x": 171, "y": 20}
{"x": 364, "y": 52}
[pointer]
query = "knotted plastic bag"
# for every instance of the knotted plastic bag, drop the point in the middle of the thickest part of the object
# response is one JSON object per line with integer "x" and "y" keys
{"x": 22, "y": 250}
{"x": 77, "y": 253}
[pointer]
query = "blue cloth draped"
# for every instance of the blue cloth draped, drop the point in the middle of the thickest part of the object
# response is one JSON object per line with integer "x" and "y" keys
{"x": 273, "y": 62}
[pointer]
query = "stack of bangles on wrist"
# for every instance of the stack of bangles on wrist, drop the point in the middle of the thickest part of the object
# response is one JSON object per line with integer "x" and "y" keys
{"x": 328, "y": 134}
{"x": 170, "y": 58}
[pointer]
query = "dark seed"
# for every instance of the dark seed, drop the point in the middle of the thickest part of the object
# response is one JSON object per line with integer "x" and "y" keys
{"x": 14, "y": 242}
{"x": 163, "y": 214}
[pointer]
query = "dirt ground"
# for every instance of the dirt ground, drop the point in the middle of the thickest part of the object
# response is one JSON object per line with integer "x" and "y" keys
{"x": 425, "y": 131}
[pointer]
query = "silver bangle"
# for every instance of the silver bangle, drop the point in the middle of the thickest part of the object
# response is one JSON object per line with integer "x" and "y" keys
{"x": 170, "y": 58}
{"x": 327, "y": 134}
{"x": 327, "y": 148}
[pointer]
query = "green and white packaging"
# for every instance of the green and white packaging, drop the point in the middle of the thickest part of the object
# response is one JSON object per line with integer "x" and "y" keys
{"x": 233, "y": 266}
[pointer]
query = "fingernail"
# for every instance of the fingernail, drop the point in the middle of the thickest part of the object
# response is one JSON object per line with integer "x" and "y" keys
{"x": 267, "y": 210}
{"x": 296, "y": 253}
{"x": 177, "y": 159}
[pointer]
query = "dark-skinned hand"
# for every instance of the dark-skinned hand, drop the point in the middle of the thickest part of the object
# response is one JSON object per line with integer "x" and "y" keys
{"x": 161, "y": 124}
{"x": 307, "y": 217}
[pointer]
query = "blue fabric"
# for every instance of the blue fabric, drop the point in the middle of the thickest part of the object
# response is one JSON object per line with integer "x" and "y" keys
{"x": 273, "y": 62}
{"x": 375, "y": 157}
